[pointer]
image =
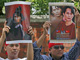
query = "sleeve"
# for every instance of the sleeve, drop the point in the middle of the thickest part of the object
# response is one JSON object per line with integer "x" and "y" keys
{"x": 74, "y": 52}
{"x": 37, "y": 55}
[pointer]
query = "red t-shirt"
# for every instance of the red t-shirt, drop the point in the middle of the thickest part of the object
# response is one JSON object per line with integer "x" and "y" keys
{"x": 63, "y": 31}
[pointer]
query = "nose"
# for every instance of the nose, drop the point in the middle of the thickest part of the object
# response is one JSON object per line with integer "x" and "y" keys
{"x": 60, "y": 48}
{"x": 56, "y": 11}
{"x": 69, "y": 14}
{"x": 14, "y": 47}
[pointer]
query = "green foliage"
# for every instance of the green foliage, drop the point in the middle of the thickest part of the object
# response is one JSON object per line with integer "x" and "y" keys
{"x": 2, "y": 2}
{"x": 41, "y": 7}
{"x": 76, "y": 4}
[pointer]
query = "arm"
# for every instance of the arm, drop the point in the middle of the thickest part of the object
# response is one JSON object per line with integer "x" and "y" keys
{"x": 30, "y": 46}
{"x": 37, "y": 54}
{"x": 3, "y": 36}
{"x": 74, "y": 52}
{"x": 78, "y": 28}
{"x": 30, "y": 51}
{"x": 46, "y": 26}
{"x": 77, "y": 16}
{"x": 38, "y": 43}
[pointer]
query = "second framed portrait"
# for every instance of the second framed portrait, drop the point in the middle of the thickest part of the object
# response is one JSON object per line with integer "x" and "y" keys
{"x": 62, "y": 20}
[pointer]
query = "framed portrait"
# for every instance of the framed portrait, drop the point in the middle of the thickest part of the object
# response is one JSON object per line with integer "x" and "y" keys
{"x": 62, "y": 18}
{"x": 18, "y": 19}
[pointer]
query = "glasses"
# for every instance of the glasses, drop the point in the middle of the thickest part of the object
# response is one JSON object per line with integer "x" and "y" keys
{"x": 58, "y": 46}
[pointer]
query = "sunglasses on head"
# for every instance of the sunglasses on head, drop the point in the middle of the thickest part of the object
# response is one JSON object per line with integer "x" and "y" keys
{"x": 58, "y": 46}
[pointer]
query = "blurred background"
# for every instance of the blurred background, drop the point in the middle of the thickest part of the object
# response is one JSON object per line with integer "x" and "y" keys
{"x": 39, "y": 14}
{"x": 38, "y": 7}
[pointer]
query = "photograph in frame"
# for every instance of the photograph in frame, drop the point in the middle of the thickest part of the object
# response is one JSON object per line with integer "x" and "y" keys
{"x": 63, "y": 23}
{"x": 18, "y": 19}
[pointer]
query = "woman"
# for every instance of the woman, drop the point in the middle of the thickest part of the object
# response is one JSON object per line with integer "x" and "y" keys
{"x": 65, "y": 29}
{"x": 55, "y": 17}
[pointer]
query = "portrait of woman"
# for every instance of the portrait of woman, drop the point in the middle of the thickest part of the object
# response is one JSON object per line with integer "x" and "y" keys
{"x": 66, "y": 27}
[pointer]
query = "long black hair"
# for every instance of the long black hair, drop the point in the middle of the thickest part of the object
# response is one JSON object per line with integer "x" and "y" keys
{"x": 18, "y": 13}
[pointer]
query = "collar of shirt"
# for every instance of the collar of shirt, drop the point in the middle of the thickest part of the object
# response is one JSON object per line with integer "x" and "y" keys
{"x": 13, "y": 59}
{"x": 18, "y": 26}
{"x": 18, "y": 59}
{"x": 53, "y": 58}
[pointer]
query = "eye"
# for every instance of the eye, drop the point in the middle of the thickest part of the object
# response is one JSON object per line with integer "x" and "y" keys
{"x": 57, "y": 8}
{"x": 62, "y": 47}
{"x": 11, "y": 45}
{"x": 17, "y": 45}
{"x": 56, "y": 47}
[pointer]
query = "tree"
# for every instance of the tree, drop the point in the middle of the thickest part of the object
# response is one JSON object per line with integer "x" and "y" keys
{"x": 40, "y": 7}
{"x": 1, "y": 6}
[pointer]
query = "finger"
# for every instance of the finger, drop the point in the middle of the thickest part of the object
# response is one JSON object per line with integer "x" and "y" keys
{"x": 6, "y": 30}
{"x": 31, "y": 32}
{"x": 30, "y": 28}
{"x": 5, "y": 23}
{"x": 75, "y": 9}
{"x": 7, "y": 27}
{"x": 46, "y": 31}
{"x": 47, "y": 23}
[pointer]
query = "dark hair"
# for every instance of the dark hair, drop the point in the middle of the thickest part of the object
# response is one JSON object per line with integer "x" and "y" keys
{"x": 18, "y": 13}
{"x": 55, "y": 6}
{"x": 72, "y": 11}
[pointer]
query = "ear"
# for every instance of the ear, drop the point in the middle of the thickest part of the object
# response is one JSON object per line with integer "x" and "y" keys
{"x": 50, "y": 50}
{"x": 19, "y": 47}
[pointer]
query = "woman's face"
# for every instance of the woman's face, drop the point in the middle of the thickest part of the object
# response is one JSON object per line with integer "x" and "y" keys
{"x": 56, "y": 11}
{"x": 68, "y": 15}
{"x": 17, "y": 19}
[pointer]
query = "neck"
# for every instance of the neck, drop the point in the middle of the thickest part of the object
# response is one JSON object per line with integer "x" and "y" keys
{"x": 12, "y": 57}
{"x": 59, "y": 16}
{"x": 68, "y": 23}
{"x": 56, "y": 58}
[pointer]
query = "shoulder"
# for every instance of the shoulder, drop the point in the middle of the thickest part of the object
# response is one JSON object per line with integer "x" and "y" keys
{"x": 45, "y": 57}
{"x": 73, "y": 23}
{"x": 62, "y": 21}
{"x": 1, "y": 58}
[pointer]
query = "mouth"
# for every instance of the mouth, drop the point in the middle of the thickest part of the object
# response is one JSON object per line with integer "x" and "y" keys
{"x": 14, "y": 52}
{"x": 68, "y": 18}
{"x": 60, "y": 53}
{"x": 57, "y": 14}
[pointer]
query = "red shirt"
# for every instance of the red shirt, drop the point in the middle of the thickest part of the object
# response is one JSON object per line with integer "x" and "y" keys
{"x": 63, "y": 31}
